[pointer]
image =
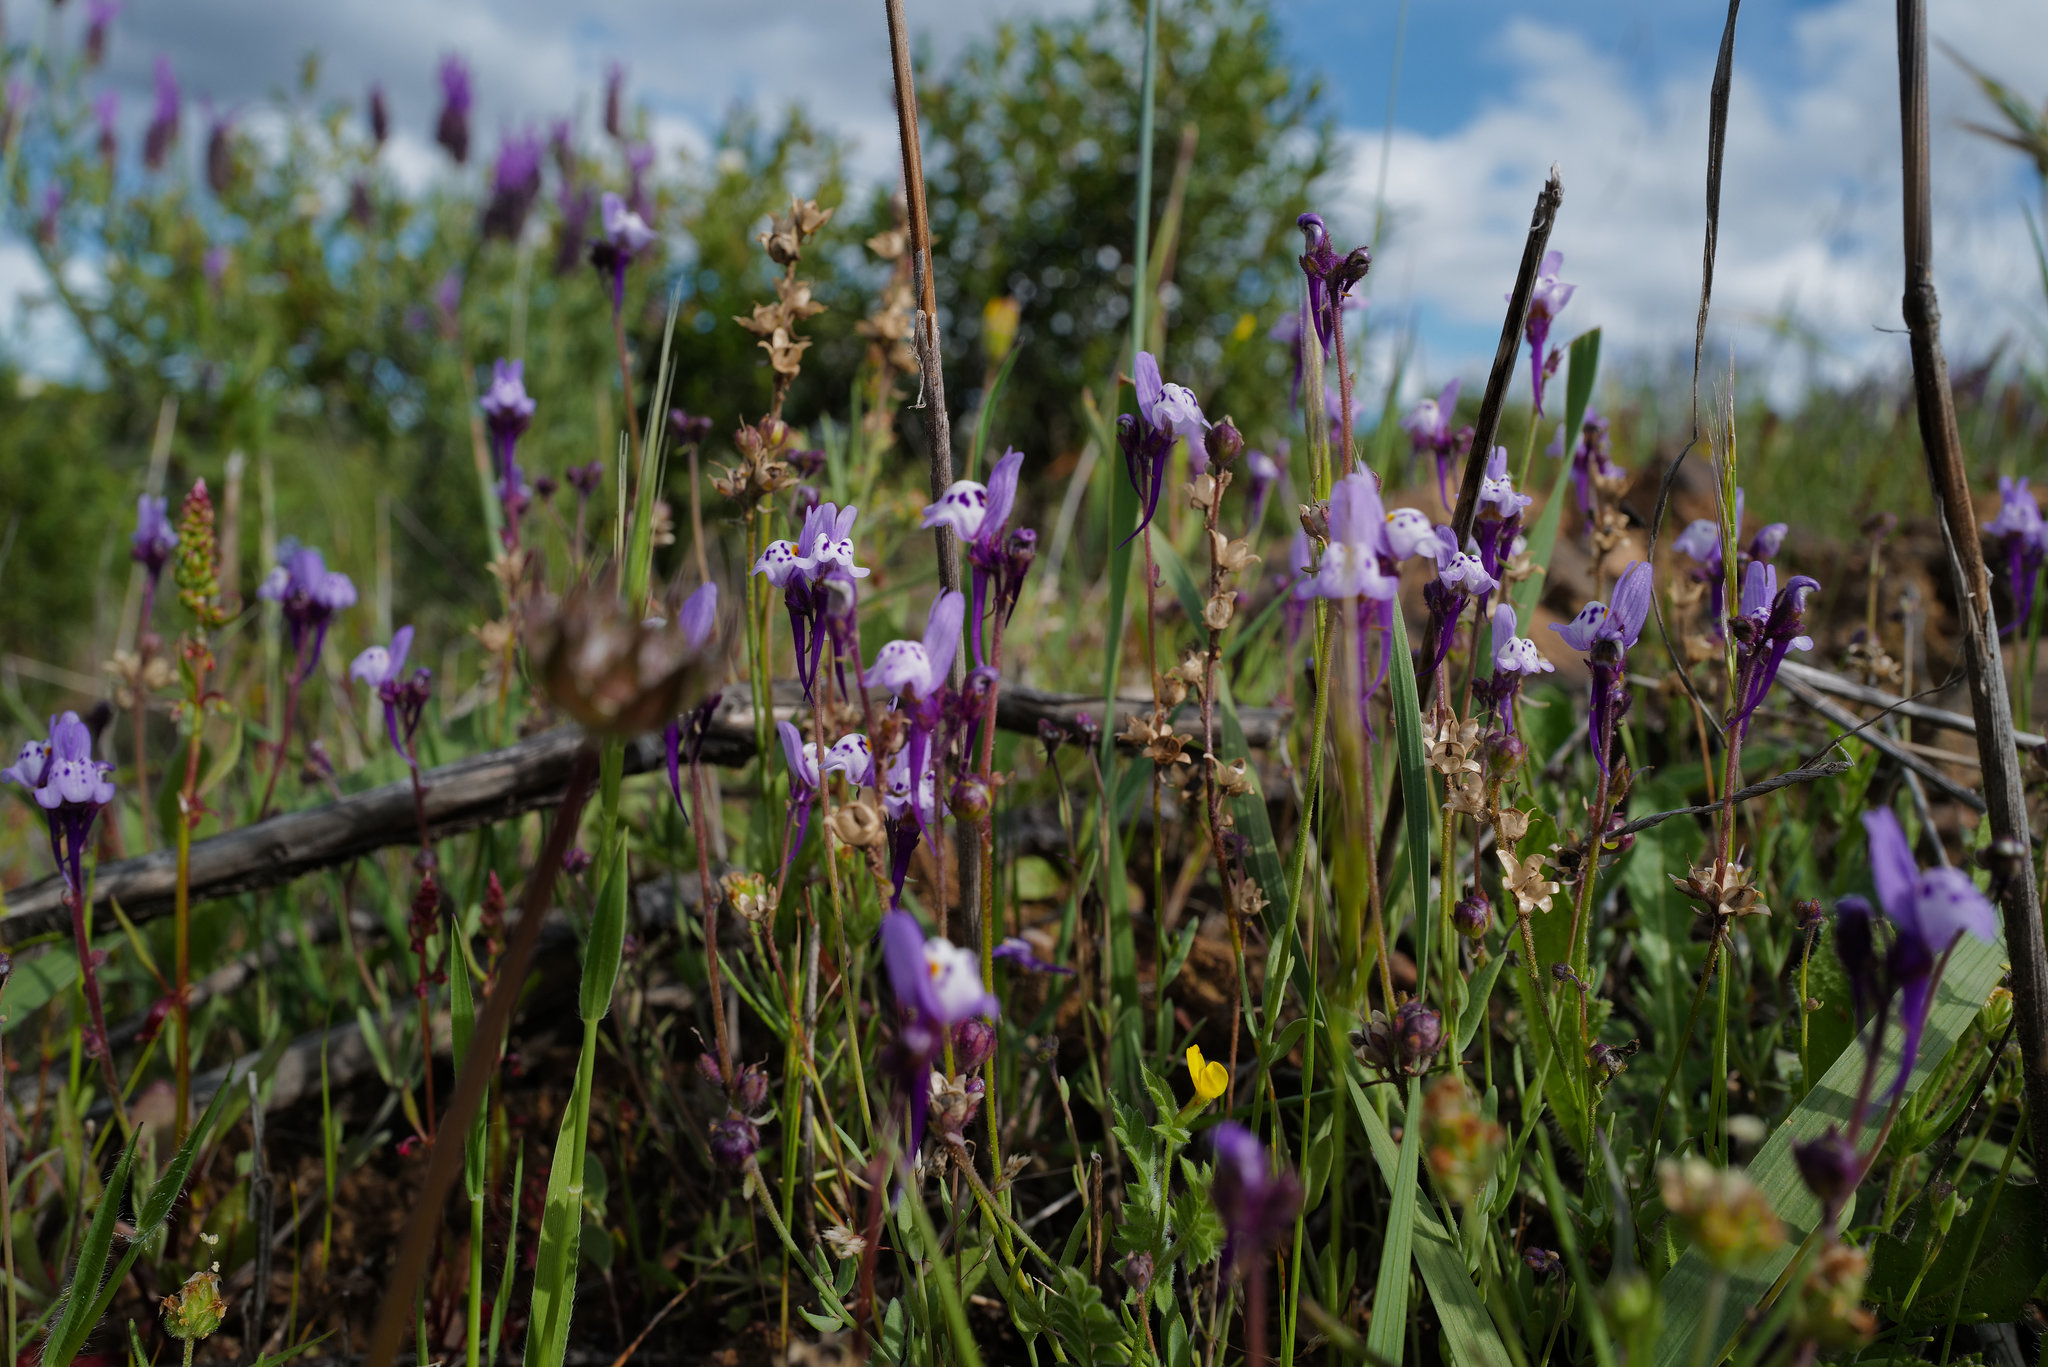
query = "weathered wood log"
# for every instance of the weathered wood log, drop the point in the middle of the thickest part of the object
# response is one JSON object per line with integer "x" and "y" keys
{"x": 461, "y": 796}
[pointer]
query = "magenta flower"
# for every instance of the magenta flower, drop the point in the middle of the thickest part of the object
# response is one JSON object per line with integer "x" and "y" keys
{"x": 1256, "y": 1199}
{"x": 1545, "y": 303}
{"x": 451, "y": 130}
{"x": 515, "y": 184}
{"x": 1015, "y": 949}
{"x": 382, "y": 670}
{"x": 163, "y": 123}
{"x": 1604, "y": 634}
{"x": 309, "y": 594}
{"x": 626, "y": 235}
{"x": 2019, "y": 533}
{"x": 937, "y": 986}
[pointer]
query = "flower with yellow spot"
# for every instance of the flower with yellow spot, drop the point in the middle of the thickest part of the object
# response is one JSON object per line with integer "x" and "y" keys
{"x": 1211, "y": 1079}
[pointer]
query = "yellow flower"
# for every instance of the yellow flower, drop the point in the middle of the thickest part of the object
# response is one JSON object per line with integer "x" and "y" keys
{"x": 1211, "y": 1079}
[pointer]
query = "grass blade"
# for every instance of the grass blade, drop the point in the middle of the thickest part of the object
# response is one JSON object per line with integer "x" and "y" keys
{"x": 81, "y": 1298}
{"x": 1417, "y": 796}
{"x": 1388, "y": 1333}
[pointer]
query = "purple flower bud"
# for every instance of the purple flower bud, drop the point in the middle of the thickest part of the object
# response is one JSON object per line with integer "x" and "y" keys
{"x": 154, "y": 539}
{"x": 691, "y": 429}
{"x": 751, "y": 1093}
{"x": 1086, "y": 729}
{"x": 515, "y": 184}
{"x": 220, "y": 156}
{"x": 1223, "y": 445}
{"x": 707, "y": 1068}
{"x": 361, "y": 211}
{"x": 1138, "y": 1271}
{"x": 1473, "y": 916}
{"x": 1420, "y": 1030}
{"x": 1830, "y": 1167}
{"x": 1255, "y": 1200}
{"x": 734, "y": 1140}
{"x": 106, "y": 109}
{"x": 969, "y": 798}
{"x": 99, "y": 17}
{"x": 614, "y": 99}
{"x": 576, "y": 861}
{"x": 973, "y": 1042}
{"x": 309, "y": 595}
{"x": 451, "y": 130}
{"x": 380, "y": 117}
{"x": 1541, "y": 1261}
{"x": 163, "y": 123}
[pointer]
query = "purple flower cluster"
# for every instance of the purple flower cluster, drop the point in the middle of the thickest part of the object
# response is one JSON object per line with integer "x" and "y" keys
{"x": 1255, "y": 1199}
{"x": 382, "y": 669}
{"x": 626, "y": 235}
{"x": 812, "y": 572}
{"x": 849, "y": 755}
{"x": 515, "y": 185}
{"x": 1592, "y": 456}
{"x": 1603, "y": 634}
{"x": 937, "y": 986}
{"x": 70, "y": 786}
{"x": 2019, "y": 535}
{"x": 451, "y": 130}
{"x": 309, "y": 594}
{"x": 1767, "y": 627}
{"x": 508, "y": 411}
{"x": 154, "y": 538}
{"x": 1000, "y": 558}
{"x": 1515, "y": 658}
{"x": 1429, "y": 430}
{"x": 1701, "y": 541}
{"x": 163, "y": 121}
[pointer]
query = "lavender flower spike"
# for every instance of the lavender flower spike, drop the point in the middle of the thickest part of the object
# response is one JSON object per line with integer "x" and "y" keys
{"x": 451, "y": 130}
{"x": 515, "y": 185}
{"x": 163, "y": 124}
{"x": 1931, "y": 911}
{"x": 2019, "y": 533}
{"x": 507, "y": 414}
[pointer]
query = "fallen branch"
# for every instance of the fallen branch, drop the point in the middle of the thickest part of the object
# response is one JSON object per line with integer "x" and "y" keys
{"x": 1862, "y": 729}
{"x": 1905, "y": 707}
{"x": 1827, "y": 769}
{"x": 477, "y": 791}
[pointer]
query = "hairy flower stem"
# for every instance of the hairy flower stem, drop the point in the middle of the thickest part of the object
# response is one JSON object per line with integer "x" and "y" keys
{"x": 626, "y": 391}
{"x": 181, "y": 896}
{"x": 89, "y": 981}
{"x": 709, "y": 898}
{"x": 284, "y": 737}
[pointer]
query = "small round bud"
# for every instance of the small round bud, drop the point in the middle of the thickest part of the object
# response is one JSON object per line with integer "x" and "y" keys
{"x": 969, "y": 798}
{"x": 1473, "y": 916}
{"x": 1420, "y": 1032}
{"x": 1138, "y": 1272}
{"x": 734, "y": 1140}
{"x": 1224, "y": 443}
{"x": 751, "y": 1094}
{"x": 973, "y": 1042}
{"x": 196, "y": 1309}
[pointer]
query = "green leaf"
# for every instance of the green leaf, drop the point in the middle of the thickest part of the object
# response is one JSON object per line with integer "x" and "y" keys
{"x": 1387, "y": 1335}
{"x": 2008, "y": 1230}
{"x": 156, "y": 1207}
{"x": 1418, "y": 799}
{"x": 1468, "y": 1332}
{"x": 68, "y": 1335}
{"x": 1973, "y": 970}
{"x": 36, "y": 980}
{"x": 1087, "y": 1331}
{"x": 1475, "y": 1009}
{"x": 561, "y": 1226}
{"x": 1585, "y": 364}
{"x": 607, "y": 938}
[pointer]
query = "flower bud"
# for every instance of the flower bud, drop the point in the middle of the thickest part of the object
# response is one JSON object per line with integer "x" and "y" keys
{"x": 751, "y": 1092}
{"x": 1420, "y": 1031}
{"x": 969, "y": 798}
{"x": 734, "y": 1140}
{"x": 1224, "y": 443}
{"x": 1807, "y": 914}
{"x": 707, "y": 1068}
{"x": 1541, "y": 1261}
{"x": 196, "y": 1309}
{"x": 1086, "y": 729}
{"x": 1473, "y": 916}
{"x": 1829, "y": 1166}
{"x": 1138, "y": 1272}
{"x": 974, "y": 1040}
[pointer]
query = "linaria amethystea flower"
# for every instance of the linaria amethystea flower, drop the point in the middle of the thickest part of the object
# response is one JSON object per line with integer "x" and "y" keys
{"x": 1166, "y": 412}
{"x": 1459, "y": 579}
{"x": 99, "y": 17}
{"x": 1255, "y": 1199}
{"x": 980, "y": 516}
{"x": 163, "y": 122}
{"x": 69, "y": 785}
{"x": 382, "y": 669}
{"x": 1930, "y": 911}
{"x": 1015, "y": 949}
{"x": 1515, "y": 658}
{"x": 309, "y": 595}
{"x": 917, "y": 670}
{"x": 1604, "y": 634}
{"x": 1330, "y": 276}
{"x": 806, "y": 570}
{"x": 1428, "y": 426}
{"x": 451, "y": 130}
{"x": 2020, "y": 535}
{"x": 380, "y": 117}
{"x": 1766, "y": 628}
{"x": 154, "y": 540}
{"x": 1355, "y": 561}
{"x": 1701, "y": 541}
{"x": 1545, "y": 303}
{"x": 1592, "y": 457}
{"x": 507, "y": 414}
{"x": 626, "y": 235}
{"x": 937, "y": 986}
{"x": 515, "y": 184}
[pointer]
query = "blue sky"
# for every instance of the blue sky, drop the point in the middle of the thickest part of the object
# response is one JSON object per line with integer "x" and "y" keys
{"x": 1492, "y": 92}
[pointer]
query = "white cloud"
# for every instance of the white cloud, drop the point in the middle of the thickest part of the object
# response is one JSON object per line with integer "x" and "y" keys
{"x": 1810, "y": 218}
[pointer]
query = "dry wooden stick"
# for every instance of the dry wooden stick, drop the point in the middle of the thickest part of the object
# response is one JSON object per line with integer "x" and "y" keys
{"x": 2004, "y": 796}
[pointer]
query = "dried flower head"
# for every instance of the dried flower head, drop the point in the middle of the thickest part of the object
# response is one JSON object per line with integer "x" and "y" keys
{"x": 1728, "y": 893}
{"x": 1451, "y": 741}
{"x": 611, "y": 669}
{"x": 1458, "y": 1140}
{"x": 1524, "y": 879}
{"x": 750, "y": 895}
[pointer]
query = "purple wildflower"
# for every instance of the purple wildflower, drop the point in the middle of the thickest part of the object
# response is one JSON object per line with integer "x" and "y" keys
{"x": 309, "y": 594}
{"x": 220, "y": 155}
{"x": 507, "y": 413}
{"x": 1015, "y": 949}
{"x": 154, "y": 538}
{"x": 1930, "y": 912}
{"x": 1255, "y": 1199}
{"x": 1604, "y": 634}
{"x": 1545, "y": 303}
{"x": 1459, "y": 579}
{"x": 626, "y": 235}
{"x": 1592, "y": 456}
{"x": 1701, "y": 541}
{"x": 1166, "y": 412}
{"x": 380, "y": 117}
{"x": 1767, "y": 626}
{"x": 937, "y": 986}
{"x": 451, "y": 130}
{"x": 515, "y": 184}
{"x": 689, "y": 429}
{"x": 163, "y": 123}
{"x": 1356, "y": 560}
{"x": 1289, "y": 332}
{"x": 1515, "y": 658}
{"x": 805, "y": 569}
{"x": 106, "y": 109}
{"x": 99, "y": 17}
{"x": 1428, "y": 426}
{"x": 69, "y": 785}
{"x": 980, "y": 516}
{"x": 1330, "y": 276}
{"x": 382, "y": 669}
{"x": 2020, "y": 535}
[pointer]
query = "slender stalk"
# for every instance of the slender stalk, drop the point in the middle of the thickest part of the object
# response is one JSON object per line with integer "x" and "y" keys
{"x": 632, "y": 412}
{"x": 7, "y": 1193}
{"x": 284, "y": 738}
